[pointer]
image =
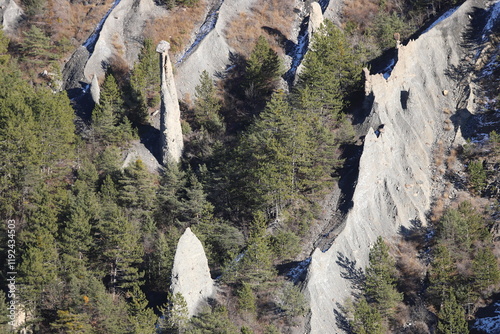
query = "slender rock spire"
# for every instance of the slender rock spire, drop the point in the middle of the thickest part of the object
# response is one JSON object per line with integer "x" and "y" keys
{"x": 170, "y": 122}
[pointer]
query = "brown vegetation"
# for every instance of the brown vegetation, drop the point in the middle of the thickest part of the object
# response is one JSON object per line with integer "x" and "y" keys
{"x": 177, "y": 27}
{"x": 271, "y": 18}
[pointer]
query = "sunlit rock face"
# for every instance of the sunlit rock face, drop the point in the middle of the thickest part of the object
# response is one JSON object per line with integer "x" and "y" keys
{"x": 394, "y": 187}
{"x": 170, "y": 114}
{"x": 190, "y": 273}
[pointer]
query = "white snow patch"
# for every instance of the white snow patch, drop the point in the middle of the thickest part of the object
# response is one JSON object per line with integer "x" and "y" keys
{"x": 492, "y": 19}
{"x": 90, "y": 42}
{"x": 490, "y": 324}
{"x": 297, "y": 271}
{"x": 441, "y": 18}
{"x": 388, "y": 70}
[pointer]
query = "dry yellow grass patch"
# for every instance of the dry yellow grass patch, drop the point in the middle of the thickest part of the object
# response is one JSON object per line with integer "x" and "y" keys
{"x": 74, "y": 22}
{"x": 271, "y": 18}
{"x": 177, "y": 27}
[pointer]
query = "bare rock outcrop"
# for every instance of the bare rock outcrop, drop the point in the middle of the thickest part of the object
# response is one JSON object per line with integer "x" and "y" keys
{"x": 315, "y": 18}
{"x": 10, "y": 14}
{"x": 118, "y": 38}
{"x": 213, "y": 53}
{"x": 394, "y": 186}
{"x": 170, "y": 114}
{"x": 190, "y": 273}
{"x": 95, "y": 90}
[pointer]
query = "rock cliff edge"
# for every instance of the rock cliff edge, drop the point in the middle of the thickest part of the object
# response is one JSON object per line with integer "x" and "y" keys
{"x": 394, "y": 187}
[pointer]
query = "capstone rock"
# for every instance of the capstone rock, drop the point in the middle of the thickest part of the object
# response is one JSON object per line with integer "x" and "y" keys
{"x": 171, "y": 140}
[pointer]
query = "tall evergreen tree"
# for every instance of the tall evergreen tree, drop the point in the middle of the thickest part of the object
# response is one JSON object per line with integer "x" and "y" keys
{"x": 485, "y": 269}
{"x": 110, "y": 124}
{"x": 366, "y": 319}
{"x": 144, "y": 82}
{"x": 451, "y": 318}
{"x": 207, "y": 105}
{"x": 331, "y": 70}
{"x": 380, "y": 285}
{"x": 263, "y": 70}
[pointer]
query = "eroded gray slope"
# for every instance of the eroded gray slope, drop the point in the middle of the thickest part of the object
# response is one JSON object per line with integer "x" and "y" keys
{"x": 394, "y": 185}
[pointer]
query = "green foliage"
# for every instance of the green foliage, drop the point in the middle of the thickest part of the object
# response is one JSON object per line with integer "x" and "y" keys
{"x": 256, "y": 266}
{"x": 386, "y": 25}
{"x": 477, "y": 175}
{"x": 292, "y": 301}
{"x": 271, "y": 329}
{"x": 142, "y": 318}
{"x": 367, "y": 319}
{"x": 443, "y": 271}
{"x": 144, "y": 82}
{"x": 4, "y": 45}
{"x": 245, "y": 330}
{"x": 285, "y": 245}
{"x": 380, "y": 284}
{"x": 485, "y": 269}
{"x": 331, "y": 70}
{"x": 246, "y": 298}
{"x": 208, "y": 105}
{"x": 108, "y": 117}
{"x": 71, "y": 323}
{"x": 451, "y": 318}
{"x": 214, "y": 321}
{"x": 263, "y": 70}
{"x": 461, "y": 227}
{"x": 19, "y": 147}
{"x": 176, "y": 314}
{"x": 37, "y": 47}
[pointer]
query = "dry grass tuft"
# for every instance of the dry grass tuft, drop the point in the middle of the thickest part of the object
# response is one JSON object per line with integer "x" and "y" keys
{"x": 437, "y": 210}
{"x": 73, "y": 22}
{"x": 447, "y": 125}
{"x": 452, "y": 158}
{"x": 177, "y": 27}
{"x": 271, "y": 18}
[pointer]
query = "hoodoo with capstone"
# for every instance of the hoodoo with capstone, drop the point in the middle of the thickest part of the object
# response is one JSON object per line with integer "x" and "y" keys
{"x": 190, "y": 273}
{"x": 170, "y": 115}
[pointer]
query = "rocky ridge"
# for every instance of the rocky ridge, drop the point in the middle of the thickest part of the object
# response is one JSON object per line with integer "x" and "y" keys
{"x": 394, "y": 187}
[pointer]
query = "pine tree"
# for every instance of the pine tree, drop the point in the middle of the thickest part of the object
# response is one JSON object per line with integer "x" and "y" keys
{"x": 256, "y": 266}
{"x": 144, "y": 82}
{"x": 142, "y": 318}
{"x": 175, "y": 314}
{"x": 451, "y": 318}
{"x": 263, "y": 69}
{"x": 485, "y": 269}
{"x": 331, "y": 70}
{"x": 215, "y": 321}
{"x": 19, "y": 147}
{"x": 207, "y": 105}
{"x": 443, "y": 271}
{"x": 380, "y": 285}
{"x": 4, "y": 45}
{"x": 56, "y": 131}
{"x": 110, "y": 124}
{"x": 367, "y": 319}
{"x": 246, "y": 298}
{"x": 37, "y": 47}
